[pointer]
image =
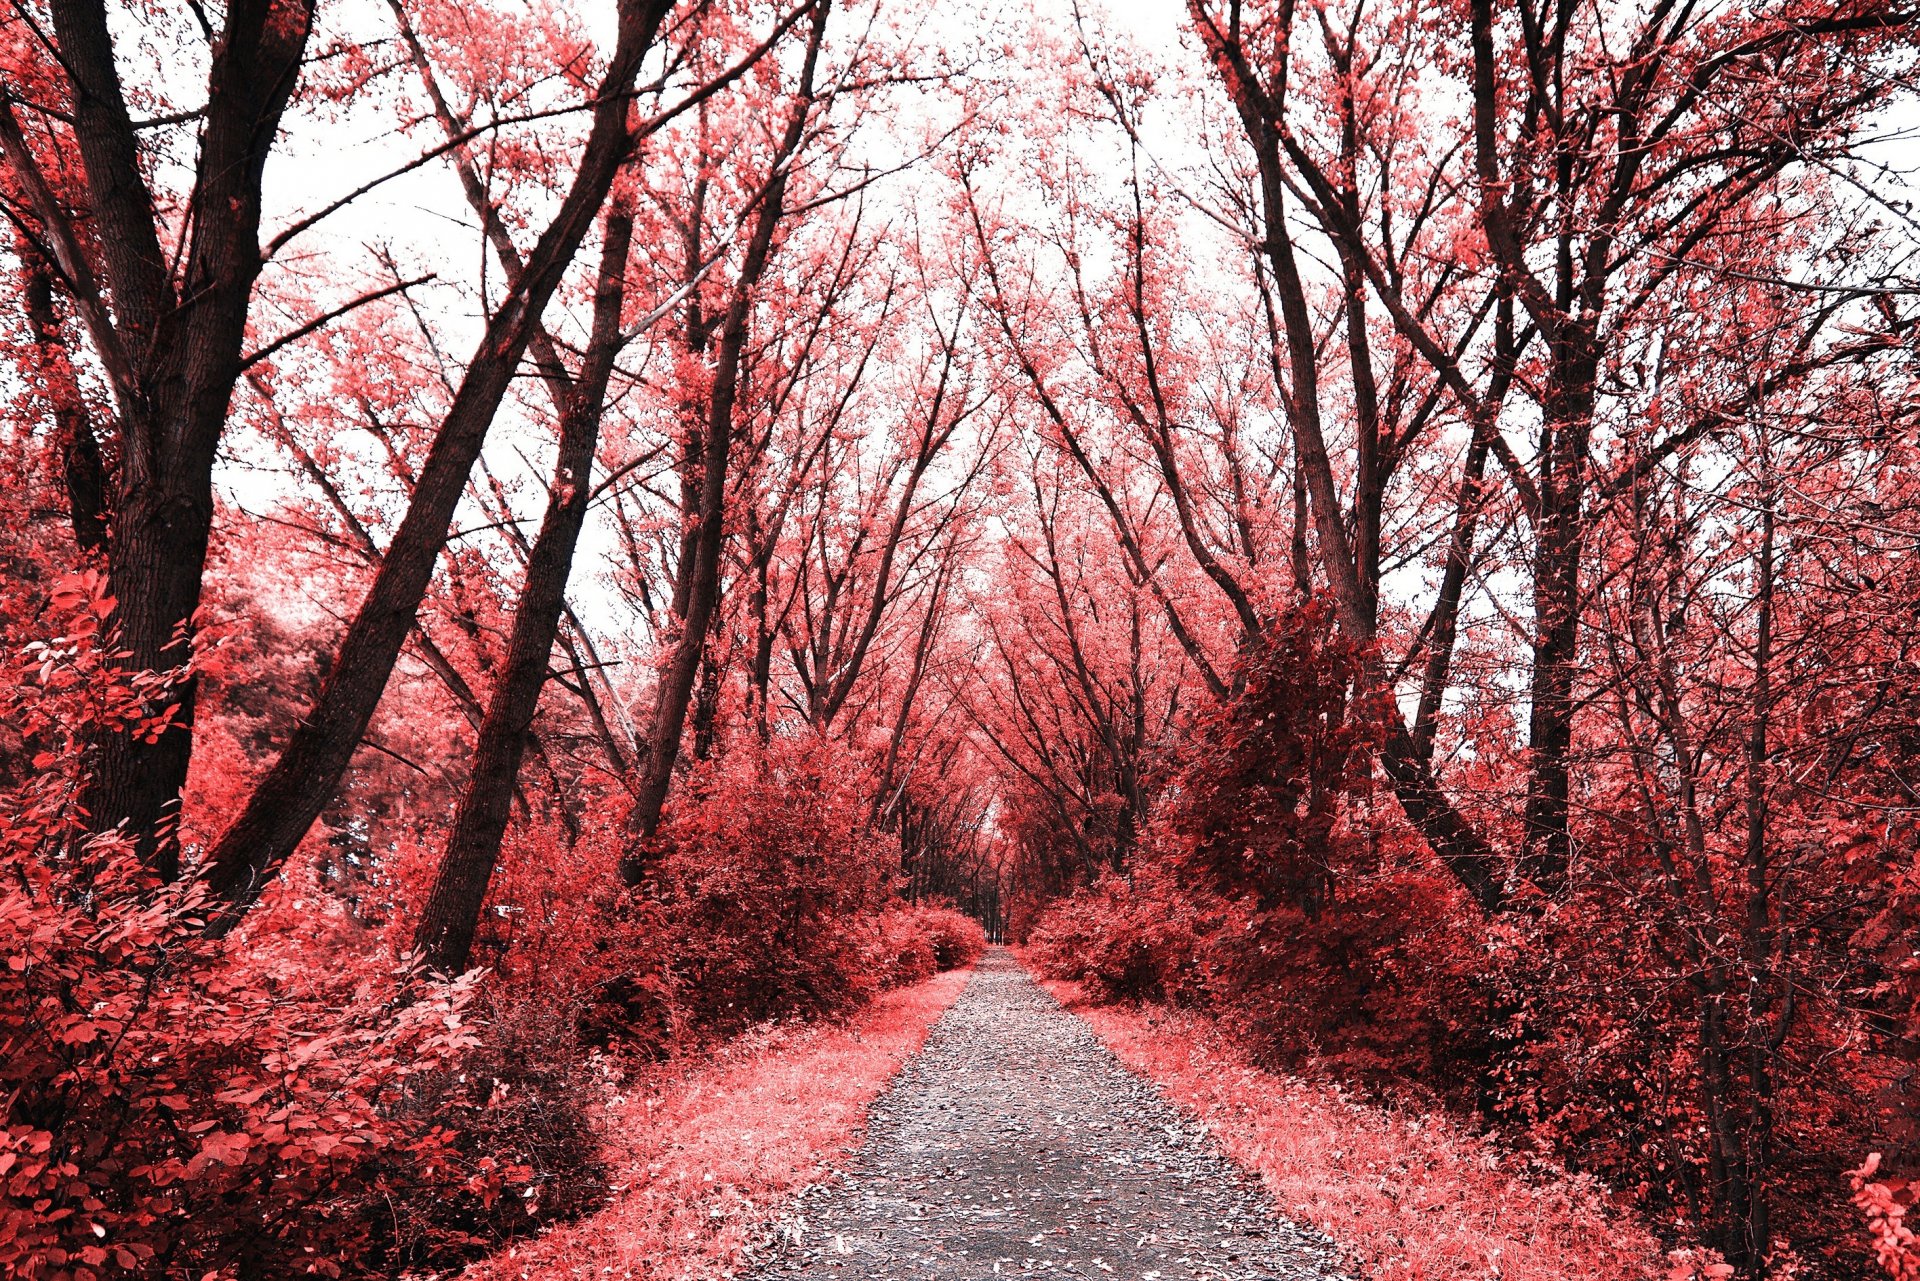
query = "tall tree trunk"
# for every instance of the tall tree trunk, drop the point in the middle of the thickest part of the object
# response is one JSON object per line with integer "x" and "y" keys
{"x": 171, "y": 352}
{"x": 1443, "y": 627}
{"x": 553, "y": 370}
{"x": 291, "y": 795}
{"x": 1548, "y": 845}
{"x": 760, "y": 669}
{"x": 155, "y": 563}
{"x": 445, "y": 933}
{"x": 702, "y": 594}
{"x": 706, "y": 707}
{"x": 1766, "y": 1026}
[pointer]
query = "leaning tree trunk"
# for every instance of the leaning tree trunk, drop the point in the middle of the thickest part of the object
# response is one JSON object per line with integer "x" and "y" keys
{"x": 291, "y": 795}
{"x": 452, "y": 913}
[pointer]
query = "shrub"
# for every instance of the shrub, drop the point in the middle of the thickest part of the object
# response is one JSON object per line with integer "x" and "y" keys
{"x": 902, "y": 949}
{"x": 522, "y": 1151}
{"x": 1126, "y": 940}
{"x": 600, "y": 960}
{"x": 169, "y": 1111}
{"x": 183, "y": 1106}
{"x": 1255, "y": 815}
{"x": 1885, "y": 1203}
{"x": 915, "y": 941}
{"x": 956, "y": 938}
{"x": 768, "y": 874}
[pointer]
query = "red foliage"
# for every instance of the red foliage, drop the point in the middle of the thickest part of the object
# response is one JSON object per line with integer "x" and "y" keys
{"x": 1407, "y": 1195}
{"x": 170, "y": 1107}
{"x": 1414, "y": 572}
{"x": 1124, "y": 940}
{"x": 766, "y": 875}
{"x": 1262, "y": 891}
{"x": 172, "y": 1112}
{"x": 1571, "y": 1025}
{"x": 1885, "y": 1203}
{"x": 919, "y": 940}
{"x": 1254, "y": 813}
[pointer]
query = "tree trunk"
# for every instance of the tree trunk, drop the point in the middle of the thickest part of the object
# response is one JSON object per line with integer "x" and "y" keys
{"x": 1451, "y": 837}
{"x": 1461, "y": 848}
{"x": 171, "y": 358}
{"x": 155, "y": 563}
{"x": 1766, "y": 1026}
{"x": 1548, "y": 845}
{"x": 445, "y": 933}
{"x": 706, "y": 707}
{"x": 291, "y": 795}
{"x": 82, "y": 473}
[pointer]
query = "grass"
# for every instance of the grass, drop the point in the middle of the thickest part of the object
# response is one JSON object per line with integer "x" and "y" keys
{"x": 704, "y": 1156}
{"x": 1408, "y": 1196}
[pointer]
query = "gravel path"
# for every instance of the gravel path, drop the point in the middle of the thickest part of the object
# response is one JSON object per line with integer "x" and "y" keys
{"x": 1016, "y": 1144}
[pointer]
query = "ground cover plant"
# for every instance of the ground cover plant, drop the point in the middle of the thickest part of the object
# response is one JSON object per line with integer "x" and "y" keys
{"x": 1406, "y": 1192}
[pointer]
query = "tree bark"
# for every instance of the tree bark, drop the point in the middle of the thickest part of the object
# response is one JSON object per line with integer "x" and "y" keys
{"x": 291, "y": 795}
{"x": 445, "y": 933}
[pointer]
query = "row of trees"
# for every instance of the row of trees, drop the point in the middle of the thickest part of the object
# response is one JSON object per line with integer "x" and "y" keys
{"x": 817, "y": 407}
{"x": 1562, "y": 352}
{"x": 312, "y": 708}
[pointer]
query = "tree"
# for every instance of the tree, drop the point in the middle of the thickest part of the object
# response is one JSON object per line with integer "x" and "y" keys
{"x": 445, "y": 933}
{"x": 167, "y": 329}
{"x": 709, "y": 448}
{"x": 284, "y": 803}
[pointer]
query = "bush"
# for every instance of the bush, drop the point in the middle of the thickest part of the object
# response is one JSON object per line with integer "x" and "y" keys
{"x": 168, "y": 1111}
{"x": 1253, "y": 893}
{"x": 523, "y": 1151}
{"x": 916, "y": 941}
{"x": 1125, "y": 940}
{"x": 768, "y": 875}
{"x": 902, "y": 949}
{"x": 767, "y": 900}
{"x": 255, "y": 1107}
{"x": 599, "y": 960}
{"x": 957, "y": 939}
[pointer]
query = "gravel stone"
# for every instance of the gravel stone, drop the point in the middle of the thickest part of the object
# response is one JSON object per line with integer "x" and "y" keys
{"x": 1015, "y": 1144}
